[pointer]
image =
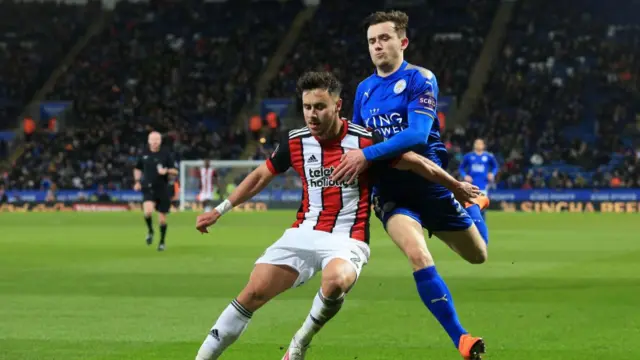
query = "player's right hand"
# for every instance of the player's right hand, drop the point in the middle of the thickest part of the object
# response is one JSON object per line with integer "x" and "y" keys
{"x": 137, "y": 186}
{"x": 207, "y": 219}
{"x": 465, "y": 192}
{"x": 468, "y": 179}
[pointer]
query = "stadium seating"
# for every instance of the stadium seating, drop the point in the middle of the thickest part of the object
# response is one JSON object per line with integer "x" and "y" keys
{"x": 34, "y": 37}
{"x": 561, "y": 94}
{"x": 559, "y": 109}
{"x": 183, "y": 68}
{"x": 336, "y": 40}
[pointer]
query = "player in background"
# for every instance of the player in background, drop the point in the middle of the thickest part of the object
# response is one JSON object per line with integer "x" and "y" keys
{"x": 209, "y": 183}
{"x": 151, "y": 175}
{"x": 331, "y": 231}
{"x": 399, "y": 102}
{"x": 479, "y": 167}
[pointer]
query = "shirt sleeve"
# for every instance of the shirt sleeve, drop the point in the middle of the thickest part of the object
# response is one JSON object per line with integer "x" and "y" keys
{"x": 139, "y": 164}
{"x": 280, "y": 160}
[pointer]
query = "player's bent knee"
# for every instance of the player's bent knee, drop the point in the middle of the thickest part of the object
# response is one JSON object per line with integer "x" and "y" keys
{"x": 337, "y": 278}
{"x": 266, "y": 282}
{"x": 407, "y": 234}
{"x": 467, "y": 243}
{"x": 479, "y": 257}
{"x": 419, "y": 258}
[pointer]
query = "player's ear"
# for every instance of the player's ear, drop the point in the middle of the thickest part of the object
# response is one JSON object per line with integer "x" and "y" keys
{"x": 404, "y": 43}
{"x": 338, "y": 105}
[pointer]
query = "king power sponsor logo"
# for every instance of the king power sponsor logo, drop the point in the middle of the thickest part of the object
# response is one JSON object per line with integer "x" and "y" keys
{"x": 321, "y": 178}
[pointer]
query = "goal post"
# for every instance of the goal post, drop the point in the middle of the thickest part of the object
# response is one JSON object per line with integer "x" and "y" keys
{"x": 285, "y": 191}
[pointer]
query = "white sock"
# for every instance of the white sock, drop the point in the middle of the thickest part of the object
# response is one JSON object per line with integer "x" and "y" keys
{"x": 227, "y": 329}
{"x": 322, "y": 310}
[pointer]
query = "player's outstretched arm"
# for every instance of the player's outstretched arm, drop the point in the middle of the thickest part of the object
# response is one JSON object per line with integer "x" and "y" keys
{"x": 429, "y": 170}
{"x": 416, "y": 134}
{"x": 255, "y": 182}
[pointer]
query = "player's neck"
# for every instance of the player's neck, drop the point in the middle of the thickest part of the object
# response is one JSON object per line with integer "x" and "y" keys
{"x": 386, "y": 71}
{"x": 479, "y": 152}
{"x": 334, "y": 132}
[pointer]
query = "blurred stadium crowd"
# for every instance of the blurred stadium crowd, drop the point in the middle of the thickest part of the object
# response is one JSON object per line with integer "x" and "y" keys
{"x": 560, "y": 108}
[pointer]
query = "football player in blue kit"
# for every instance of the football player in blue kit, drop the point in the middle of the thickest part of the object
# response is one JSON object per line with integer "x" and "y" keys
{"x": 479, "y": 167}
{"x": 399, "y": 102}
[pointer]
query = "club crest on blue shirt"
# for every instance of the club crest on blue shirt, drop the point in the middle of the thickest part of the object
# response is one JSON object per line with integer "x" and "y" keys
{"x": 400, "y": 86}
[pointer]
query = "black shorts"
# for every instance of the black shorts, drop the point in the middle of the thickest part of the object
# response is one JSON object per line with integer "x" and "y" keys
{"x": 160, "y": 197}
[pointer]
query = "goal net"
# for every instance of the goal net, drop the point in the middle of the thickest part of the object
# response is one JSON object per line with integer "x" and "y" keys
{"x": 283, "y": 192}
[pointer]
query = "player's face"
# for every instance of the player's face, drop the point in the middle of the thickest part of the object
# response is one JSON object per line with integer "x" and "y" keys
{"x": 478, "y": 145}
{"x": 321, "y": 111}
{"x": 385, "y": 46}
{"x": 155, "y": 141}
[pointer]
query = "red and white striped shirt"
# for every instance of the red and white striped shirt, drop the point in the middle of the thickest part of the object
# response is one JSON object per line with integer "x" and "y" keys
{"x": 207, "y": 178}
{"x": 326, "y": 205}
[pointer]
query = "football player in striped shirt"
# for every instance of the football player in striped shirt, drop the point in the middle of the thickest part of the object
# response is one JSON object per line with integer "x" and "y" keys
{"x": 331, "y": 230}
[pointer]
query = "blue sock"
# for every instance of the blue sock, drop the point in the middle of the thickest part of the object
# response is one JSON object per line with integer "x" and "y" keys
{"x": 478, "y": 219}
{"x": 436, "y": 296}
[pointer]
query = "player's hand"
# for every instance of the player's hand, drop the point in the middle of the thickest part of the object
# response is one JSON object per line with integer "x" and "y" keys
{"x": 468, "y": 179}
{"x": 162, "y": 171}
{"x": 465, "y": 192}
{"x": 207, "y": 219}
{"x": 490, "y": 177}
{"x": 137, "y": 186}
{"x": 352, "y": 164}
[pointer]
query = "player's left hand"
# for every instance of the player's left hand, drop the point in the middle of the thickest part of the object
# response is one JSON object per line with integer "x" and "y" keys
{"x": 352, "y": 164}
{"x": 162, "y": 171}
{"x": 490, "y": 177}
{"x": 207, "y": 219}
{"x": 465, "y": 192}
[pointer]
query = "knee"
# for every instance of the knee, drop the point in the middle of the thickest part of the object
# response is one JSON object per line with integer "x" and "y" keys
{"x": 253, "y": 298}
{"x": 419, "y": 258}
{"x": 336, "y": 284}
{"x": 479, "y": 257}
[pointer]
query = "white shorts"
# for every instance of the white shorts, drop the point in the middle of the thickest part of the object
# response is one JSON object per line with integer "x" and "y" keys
{"x": 204, "y": 196}
{"x": 309, "y": 251}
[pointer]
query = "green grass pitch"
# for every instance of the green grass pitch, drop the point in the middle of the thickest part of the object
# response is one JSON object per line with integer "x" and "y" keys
{"x": 85, "y": 286}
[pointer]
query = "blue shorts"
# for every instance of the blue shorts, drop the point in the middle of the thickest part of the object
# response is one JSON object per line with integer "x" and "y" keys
{"x": 434, "y": 214}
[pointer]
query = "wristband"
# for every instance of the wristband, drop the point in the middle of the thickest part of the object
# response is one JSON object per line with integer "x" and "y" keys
{"x": 224, "y": 207}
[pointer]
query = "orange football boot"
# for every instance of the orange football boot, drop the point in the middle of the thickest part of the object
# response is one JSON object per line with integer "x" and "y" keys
{"x": 471, "y": 348}
{"x": 482, "y": 201}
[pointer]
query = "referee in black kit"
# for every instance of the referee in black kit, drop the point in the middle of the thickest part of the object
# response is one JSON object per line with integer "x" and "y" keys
{"x": 152, "y": 177}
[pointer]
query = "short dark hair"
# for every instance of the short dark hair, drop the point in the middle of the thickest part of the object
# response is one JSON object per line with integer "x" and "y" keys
{"x": 399, "y": 19}
{"x": 324, "y": 80}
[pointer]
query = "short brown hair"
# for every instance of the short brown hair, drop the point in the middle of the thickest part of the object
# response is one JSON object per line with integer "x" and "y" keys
{"x": 324, "y": 80}
{"x": 399, "y": 19}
